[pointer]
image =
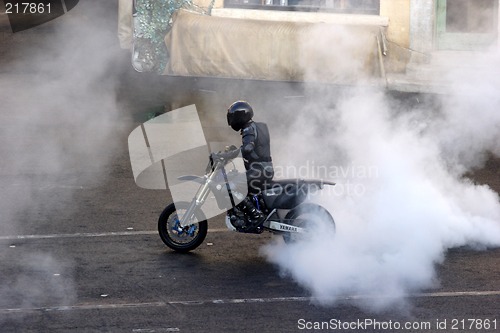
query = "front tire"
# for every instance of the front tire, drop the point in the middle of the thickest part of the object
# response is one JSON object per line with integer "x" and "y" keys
{"x": 308, "y": 216}
{"x": 174, "y": 236}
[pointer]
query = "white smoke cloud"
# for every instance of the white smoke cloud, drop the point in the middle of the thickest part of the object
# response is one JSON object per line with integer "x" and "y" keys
{"x": 417, "y": 205}
{"x": 58, "y": 129}
{"x": 471, "y": 124}
{"x": 59, "y": 109}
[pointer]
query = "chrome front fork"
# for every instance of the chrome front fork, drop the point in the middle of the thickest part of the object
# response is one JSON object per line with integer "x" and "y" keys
{"x": 198, "y": 200}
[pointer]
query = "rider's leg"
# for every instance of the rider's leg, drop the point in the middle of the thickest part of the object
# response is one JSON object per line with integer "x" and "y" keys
{"x": 258, "y": 175}
{"x": 255, "y": 216}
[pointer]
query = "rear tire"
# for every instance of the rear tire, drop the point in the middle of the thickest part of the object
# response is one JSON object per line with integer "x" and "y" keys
{"x": 307, "y": 216}
{"x": 181, "y": 239}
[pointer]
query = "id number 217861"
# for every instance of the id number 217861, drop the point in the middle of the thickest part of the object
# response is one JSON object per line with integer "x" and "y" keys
{"x": 27, "y": 8}
{"x": 474, "y": 324}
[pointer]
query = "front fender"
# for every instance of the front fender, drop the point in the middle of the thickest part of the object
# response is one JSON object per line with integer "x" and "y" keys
{"x": 192, "y": 178}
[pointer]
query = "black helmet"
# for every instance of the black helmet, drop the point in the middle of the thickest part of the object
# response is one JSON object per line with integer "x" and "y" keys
{"x": 238, "y": 114}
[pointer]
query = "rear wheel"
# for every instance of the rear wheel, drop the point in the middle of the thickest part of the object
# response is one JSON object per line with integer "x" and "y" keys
{"x": 311, "y": 218}
{"x": 181, "y": 239}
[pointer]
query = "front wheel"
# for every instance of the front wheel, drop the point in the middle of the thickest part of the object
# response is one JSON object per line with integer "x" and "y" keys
{"x": 312, "y": 218}
{"x": 181, "y": 239}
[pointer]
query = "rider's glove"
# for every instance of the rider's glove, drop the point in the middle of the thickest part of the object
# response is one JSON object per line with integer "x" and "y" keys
{"x": 228, "y": 154}
{"x": 231, "y": 148}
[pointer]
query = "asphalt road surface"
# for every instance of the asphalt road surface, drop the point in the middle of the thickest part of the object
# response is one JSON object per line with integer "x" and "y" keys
{"x": 80, "y": 251}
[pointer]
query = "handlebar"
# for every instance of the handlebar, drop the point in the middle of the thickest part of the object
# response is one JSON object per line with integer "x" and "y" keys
{"x": 229, "y": 153}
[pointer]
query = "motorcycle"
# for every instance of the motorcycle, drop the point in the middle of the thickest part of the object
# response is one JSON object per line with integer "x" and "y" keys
{"x": 183, "y": 227}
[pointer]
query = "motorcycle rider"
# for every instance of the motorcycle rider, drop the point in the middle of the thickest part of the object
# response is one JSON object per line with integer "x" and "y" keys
{"x": 256, "y": 152}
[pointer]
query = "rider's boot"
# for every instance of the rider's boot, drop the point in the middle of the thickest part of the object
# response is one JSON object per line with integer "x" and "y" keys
{"x": 255, "y": 216}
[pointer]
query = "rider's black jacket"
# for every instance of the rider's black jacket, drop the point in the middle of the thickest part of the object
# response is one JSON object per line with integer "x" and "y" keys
{"x": 256, "y": 152}
{"x": 256, "y": 143}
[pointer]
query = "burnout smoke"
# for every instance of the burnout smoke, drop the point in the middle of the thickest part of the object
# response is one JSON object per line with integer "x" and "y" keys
{"x": 58, "y": 128}
{"x": 417, "y": 205}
